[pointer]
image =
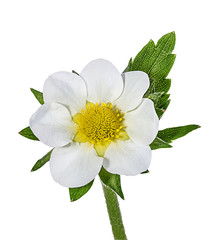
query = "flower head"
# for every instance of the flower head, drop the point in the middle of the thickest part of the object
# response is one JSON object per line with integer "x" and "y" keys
{"x": 98, "y": 118}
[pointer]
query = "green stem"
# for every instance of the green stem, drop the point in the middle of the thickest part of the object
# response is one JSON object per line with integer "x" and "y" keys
{"x": 114, "y": 214}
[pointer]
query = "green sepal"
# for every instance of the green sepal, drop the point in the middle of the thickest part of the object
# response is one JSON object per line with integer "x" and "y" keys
{"x": 27, "y": 133}
{"x": 112, "y": 181}
{"x": 38, "y": 95}
{"x": 145, "y": 172}
{"x": 129, "y": 66}
{"x": 159, "y": 143}
{"x": 42, "y": 161}
{"x": 77, "y": 193}
{"x": 75, "y": 72}
{"x": 170, "y": 134}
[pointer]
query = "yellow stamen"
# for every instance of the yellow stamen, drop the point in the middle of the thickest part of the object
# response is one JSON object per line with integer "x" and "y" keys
{"x": 98, "y": 123}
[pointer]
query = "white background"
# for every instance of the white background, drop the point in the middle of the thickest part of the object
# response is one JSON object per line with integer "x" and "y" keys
{"x": 178, "y": 198}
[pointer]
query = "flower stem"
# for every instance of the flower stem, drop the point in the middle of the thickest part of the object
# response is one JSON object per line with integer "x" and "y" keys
{"x": 114, "y": 214}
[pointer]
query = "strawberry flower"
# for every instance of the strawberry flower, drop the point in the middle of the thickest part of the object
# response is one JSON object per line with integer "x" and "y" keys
{"x": 98, "y": 118}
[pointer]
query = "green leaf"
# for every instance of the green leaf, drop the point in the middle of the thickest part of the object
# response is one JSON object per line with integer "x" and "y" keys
{"x": 165, "y": 46}
{"x": 163, "y": 103}
{"x": 157, "y": 62}
{"x": 112, "y": 181}
{"x": 27, "y": 133}
{"x": 42, "y": 161}
{"x": 166, "y": 43}
{"x": 163, "y": 85}
{"x": 166, "y": 136}
{"x": 159, "y": 143}
{"x": 38, "y": 95}
{"x": 162, "y": 68}
{"x": 170, "y": 134}
{"x": 145, "y": 172}
{"x": 129, "y": 66}
{"x": 155, "y": 97}
{"x": 141, "y": 61}
{"x": 161, "y": 111}
{"x": 77, "y": 193}
{"x": 162, "y": 100}
{"x": 150, "y": 55}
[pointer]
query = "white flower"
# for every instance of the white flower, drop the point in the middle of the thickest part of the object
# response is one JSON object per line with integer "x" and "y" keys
{"x": 99, "y": 118}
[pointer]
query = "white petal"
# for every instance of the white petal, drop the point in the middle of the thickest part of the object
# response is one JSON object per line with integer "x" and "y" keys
{"x": 75, "y": 165}
{"x": 127, "y": 158}
{"x": 142, "y": 123}
{"x": 66, "y": 88}
{"x": 136, "y": 83}
{"x": 104, "y": 82}
{"x": 53, "y": 125}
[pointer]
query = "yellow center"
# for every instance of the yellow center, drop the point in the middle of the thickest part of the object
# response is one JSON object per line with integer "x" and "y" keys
{"x": 100, "y": 124}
